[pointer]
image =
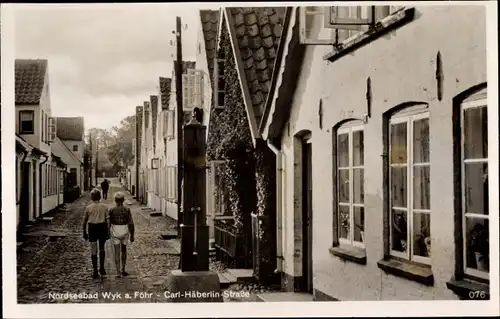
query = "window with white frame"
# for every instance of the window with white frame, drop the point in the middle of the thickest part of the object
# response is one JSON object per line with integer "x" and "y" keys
{"x": 26, "y": 122}
{"x": 188, "y": 90}
{"x": 474, "y": 173}
{"x": 409, "y": 184}
{"x": 350, "y": 183}
{"x": 218, "y": 189}
{"x": 220, "y": 83}
{"x": 335, "y": 24}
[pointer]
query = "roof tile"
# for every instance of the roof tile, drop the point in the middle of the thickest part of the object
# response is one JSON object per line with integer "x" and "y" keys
{"x": 210, "y": 23}
{"x": 165, "y": 88}
{"x": 257, "y": 40}
{"x": 30, "y": 80}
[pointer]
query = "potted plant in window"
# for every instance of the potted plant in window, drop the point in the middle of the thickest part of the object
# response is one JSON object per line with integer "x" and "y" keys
{"x": 344, "y": 222}
{"x": 362, "y": 232}
{"x": 479, "y": 244}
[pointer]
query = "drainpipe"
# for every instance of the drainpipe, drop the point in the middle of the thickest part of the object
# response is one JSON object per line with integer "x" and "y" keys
{"x": 40, "y": 184}
{"x": 279, "y": 207}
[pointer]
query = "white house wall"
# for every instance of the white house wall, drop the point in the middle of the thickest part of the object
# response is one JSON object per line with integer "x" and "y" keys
{"x": 402, "y": 68}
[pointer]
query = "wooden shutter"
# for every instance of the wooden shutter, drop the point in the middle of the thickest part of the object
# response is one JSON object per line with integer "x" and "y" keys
{"x": 311, "y": 20}
{"x": 348, "y": 17}
{"x": 52, "y": 131}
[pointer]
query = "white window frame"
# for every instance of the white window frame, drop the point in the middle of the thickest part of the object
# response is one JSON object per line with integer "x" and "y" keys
{"x": 52, "y": 130}
{"x": 31, "y": 113}
{"x": 213, "y": 171}
{"x": 218, "y": 76}
{"x": 408, "y": 117}
{"x": 472, "y": 103}
{"x": 372, "y": 15}
{"x": 349, "y": 128}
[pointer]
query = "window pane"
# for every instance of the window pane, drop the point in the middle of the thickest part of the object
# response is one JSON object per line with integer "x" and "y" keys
{"x": 344, "y": 222}
{"x": 477, "y": 239}
{"x": 475, "y": 133}
{"x": 221, "y": 84}
{"x": 220, "y": 66}
{"x": 358, "y": 148}
{"x": 421, "y": 187}
{"x": 358, "y": 186}
{"x": 359, "y": 224}
{"x": 27, "y": 126}
{"x": 343, "y": 150}
{"x": 398, "y": 186}
{"x": 221, "y": 98}
{"x": 343, "y": 186}
{"x": 398, "y": 143}
{"x": 422, "y": 234}
{"x": 27, "y": 116}
{"x": 476, "y": 188}
{"x": 399, "y": 231}
{"x": 421, "y": 141}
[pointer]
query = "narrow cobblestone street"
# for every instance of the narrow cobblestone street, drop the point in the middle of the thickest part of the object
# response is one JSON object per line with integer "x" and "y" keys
{"x": 54, "y": 257}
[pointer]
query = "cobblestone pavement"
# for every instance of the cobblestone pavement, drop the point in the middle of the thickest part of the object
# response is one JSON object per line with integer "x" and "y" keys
{"x": 55, "y": 259}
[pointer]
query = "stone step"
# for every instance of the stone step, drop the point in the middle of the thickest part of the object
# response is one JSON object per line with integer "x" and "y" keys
{"x": 232, "y": 279}
{"x": 241, "y": 275}
{"x": 172, "y": 234}
{"x": 224, "y": 281}
{"x": 285, "y": 296}
{"x": 47, "y": 219}
{"x": 156, "y": 214}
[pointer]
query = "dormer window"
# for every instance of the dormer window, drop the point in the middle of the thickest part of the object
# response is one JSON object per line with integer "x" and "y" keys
{"x": 27, "y": 122}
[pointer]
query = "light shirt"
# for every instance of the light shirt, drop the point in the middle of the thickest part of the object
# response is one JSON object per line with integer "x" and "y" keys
{"x": 96, "y": 213}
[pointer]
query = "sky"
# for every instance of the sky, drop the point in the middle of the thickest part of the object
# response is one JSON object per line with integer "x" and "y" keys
{"x": 104, "y": 59}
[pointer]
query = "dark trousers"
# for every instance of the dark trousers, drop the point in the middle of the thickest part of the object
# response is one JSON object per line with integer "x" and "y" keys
{"x": 105, "y": 194}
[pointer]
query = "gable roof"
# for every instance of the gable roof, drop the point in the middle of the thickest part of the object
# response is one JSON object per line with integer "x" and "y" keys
{"x": 165, "y": 87}
{"x": 209, "y": 25}
{"x": 154, "y": 115}
{"x": 255, "y": 36}
{"x": 284, "y": 82}
{"x": 30, "y": 80}
{"x": 70, "y": 128}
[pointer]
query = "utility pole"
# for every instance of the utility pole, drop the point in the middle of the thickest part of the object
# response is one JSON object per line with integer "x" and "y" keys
{"x": 180, "y": 121}
{"x": 96, "y": 159}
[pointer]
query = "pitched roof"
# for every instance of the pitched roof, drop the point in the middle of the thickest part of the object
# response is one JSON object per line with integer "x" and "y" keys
{"x": 165, "y": 88}
{"x": 209, "y": 25}
{"x": 284, "y": 89}
{"x": 154, "y": 114}
{"x": 30, "y": 79}
{"x": 256, "y": 34}
{"x": 70, "y": 128}
{"x": 146, "y": 113}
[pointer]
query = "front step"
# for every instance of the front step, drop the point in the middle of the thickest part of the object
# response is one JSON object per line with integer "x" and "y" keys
{"x": 241, "y": 275}
{"x": 156, "y": 214}
{"x": 226, "y": 280}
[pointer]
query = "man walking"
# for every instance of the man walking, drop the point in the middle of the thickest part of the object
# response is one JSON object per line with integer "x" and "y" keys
{"x": 121, "y": 230}
{"x": 95, "y": 216}
{"x": 105, "y": 188}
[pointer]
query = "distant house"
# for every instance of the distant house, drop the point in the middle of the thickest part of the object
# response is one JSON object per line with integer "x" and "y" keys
{"x": 70, "y": 158}
{"x": 70, "y": 131}
{"x": 37, "y": 128}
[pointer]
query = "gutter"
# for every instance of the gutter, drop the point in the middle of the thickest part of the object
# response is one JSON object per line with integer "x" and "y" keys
{"x": 279, "y": 207}
{"x": 40, "y": 183}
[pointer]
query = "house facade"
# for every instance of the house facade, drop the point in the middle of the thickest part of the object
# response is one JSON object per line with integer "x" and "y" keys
{"x": 170, "y": 164}
{"x": 35, "y": 126}
{"x": 70, "y": 131}
{"x": 379, "y": 124}
{"x": 243, "y": 175}
{"x": 72, "y": 162}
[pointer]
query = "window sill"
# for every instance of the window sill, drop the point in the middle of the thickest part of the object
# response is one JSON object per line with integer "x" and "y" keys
{"x": 353, "y": 254}
{"x": 383, "y": 26}
{"x": 468, "y": 289}
{"x": 421, "y": 274}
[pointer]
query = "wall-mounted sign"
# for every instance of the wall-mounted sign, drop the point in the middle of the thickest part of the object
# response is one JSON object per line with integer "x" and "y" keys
{"x": 155, "y": 163}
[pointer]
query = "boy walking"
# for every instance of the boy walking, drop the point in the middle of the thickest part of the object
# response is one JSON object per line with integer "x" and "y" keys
{"x": 121, "y": 230}
{"x": 95, "y": 219}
